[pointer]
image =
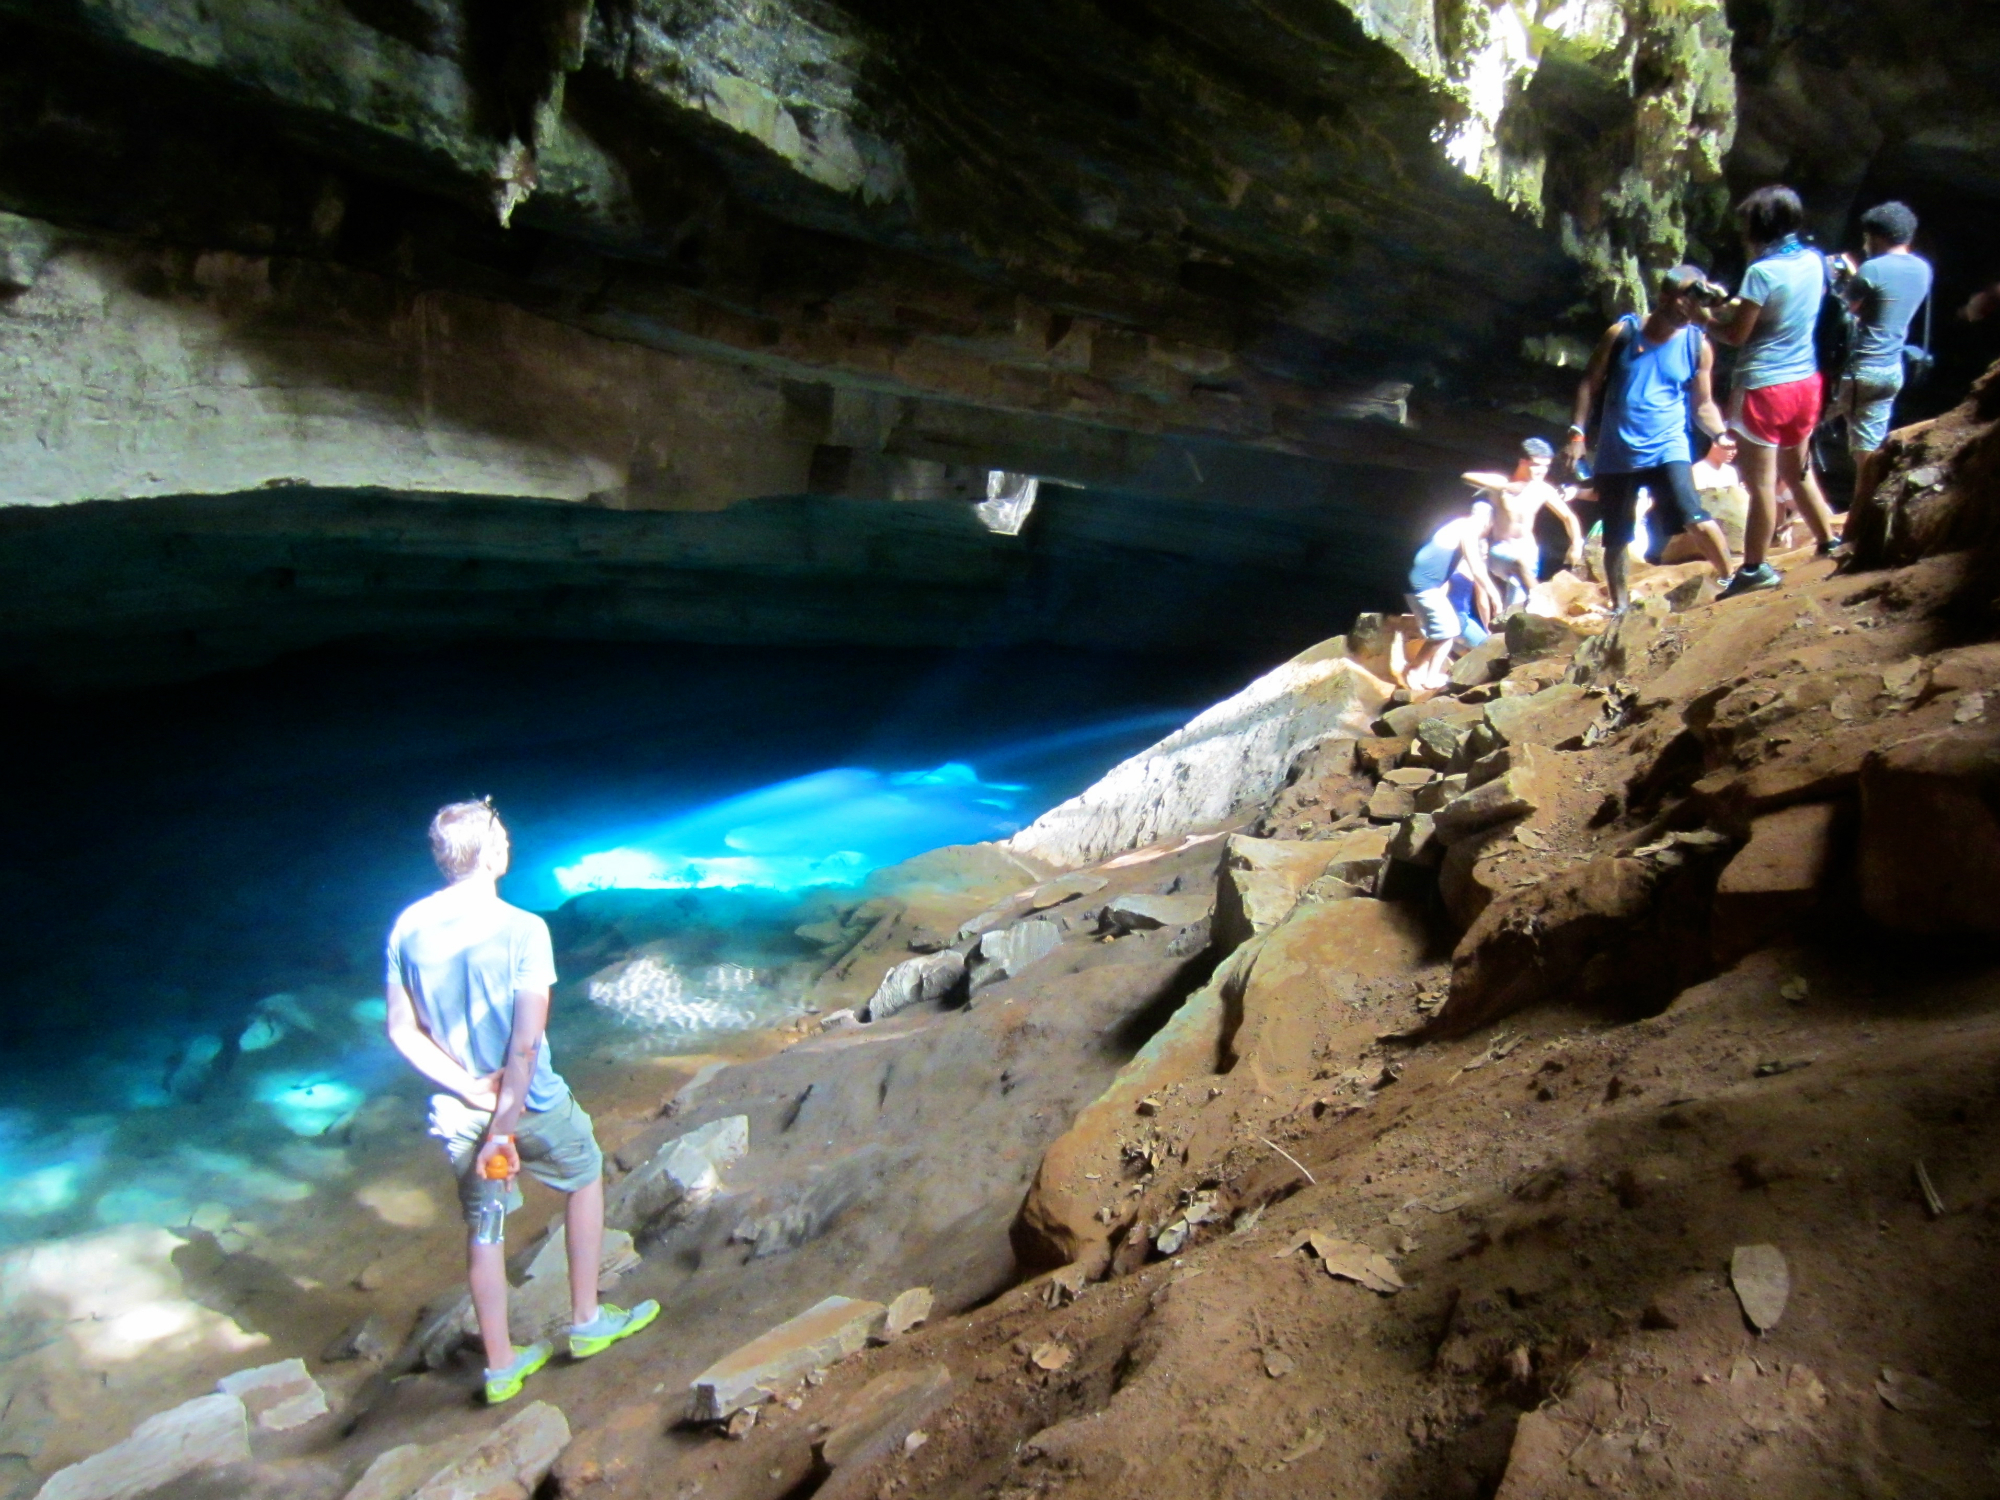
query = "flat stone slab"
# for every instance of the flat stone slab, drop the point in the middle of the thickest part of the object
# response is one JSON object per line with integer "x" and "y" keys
{"x": 509, "y": 1463}
{"x": 277, "y": 1397}
{"x": 209, "y": 1432}
{"x": 822, "y": 1335}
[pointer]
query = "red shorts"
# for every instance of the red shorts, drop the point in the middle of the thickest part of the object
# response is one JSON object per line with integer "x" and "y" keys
{"x": 1777, "y": 416}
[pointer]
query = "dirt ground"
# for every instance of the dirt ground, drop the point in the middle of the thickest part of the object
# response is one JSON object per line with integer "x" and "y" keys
{"x": 1560, "y": 1192}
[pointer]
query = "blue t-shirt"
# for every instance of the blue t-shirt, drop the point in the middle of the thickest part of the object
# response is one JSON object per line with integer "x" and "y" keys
{"x": 1646, "y": 401}
{"x": 1438, "y": 556}
{"x": 1788, "y": 285}
{"x": 462, "y": 952}
{"x": 1891, "y": 288}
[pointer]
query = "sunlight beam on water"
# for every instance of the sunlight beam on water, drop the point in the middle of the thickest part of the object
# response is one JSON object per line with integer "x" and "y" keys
{"x": 829, "y": 828}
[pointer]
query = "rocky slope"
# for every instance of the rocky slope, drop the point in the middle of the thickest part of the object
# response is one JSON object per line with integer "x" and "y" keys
{"x": 1578, "y": 1081}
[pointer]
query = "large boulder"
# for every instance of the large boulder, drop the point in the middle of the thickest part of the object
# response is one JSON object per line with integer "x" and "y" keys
{"x": 1302, "y": 995}
{"x": 1930, "y": 834}
{"x": 1225, "y": 761}
{"x": 1629, "y": 929}
{"x": 1067, "y": 1218}
{"x": 1263, "y": 879}
{"x": 1775, "y": 878}
{"x": 1934, "y": 487}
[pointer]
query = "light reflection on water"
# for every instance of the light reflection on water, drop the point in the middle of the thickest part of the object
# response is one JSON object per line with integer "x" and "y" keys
{"x": 222, "y": 1129}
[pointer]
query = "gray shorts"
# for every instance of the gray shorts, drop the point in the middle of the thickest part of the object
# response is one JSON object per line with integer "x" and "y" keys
{"x": 558, "y": 1147}
{"x": 1436, "y": 616}
{"x": 1867, "y": 398}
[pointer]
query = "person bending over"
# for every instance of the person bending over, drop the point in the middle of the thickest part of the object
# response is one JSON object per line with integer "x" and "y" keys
{"x": 1884, "y": 293}
{"x": 1653, "y": 376}
{"x": 1775, "y": 397}
{"x": 1514, "y": 556}
{"x": 468, "y": 991}
{"x": 1459, "y": 544}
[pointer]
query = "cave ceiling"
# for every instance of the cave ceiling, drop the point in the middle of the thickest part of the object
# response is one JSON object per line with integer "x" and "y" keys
{"x": 1262, "y": 259}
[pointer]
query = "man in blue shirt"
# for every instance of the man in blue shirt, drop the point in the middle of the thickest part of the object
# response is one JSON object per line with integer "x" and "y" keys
{"x": 468, "y": 991}
{"x": 1655, "y": 378}
{"x": 1884, "y": 293}
{"x": 1444, "y": 612}
{"x": 1776, "y": 394}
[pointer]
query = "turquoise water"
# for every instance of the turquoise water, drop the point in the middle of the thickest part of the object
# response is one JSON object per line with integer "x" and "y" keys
{"x": 200, "y": 882}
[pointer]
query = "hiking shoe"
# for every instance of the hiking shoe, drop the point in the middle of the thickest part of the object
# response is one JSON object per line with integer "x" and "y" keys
{"x": 609, "y": 1326}
{"x": 1750, "y": 580}
{"x": 505, "y": 1384}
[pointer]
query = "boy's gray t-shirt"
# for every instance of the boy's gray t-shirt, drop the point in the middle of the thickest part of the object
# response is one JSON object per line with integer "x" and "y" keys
{"x": 462, "y": 953}
{"x": 1892, "y": 288}
{"x": 1787, "y": 287}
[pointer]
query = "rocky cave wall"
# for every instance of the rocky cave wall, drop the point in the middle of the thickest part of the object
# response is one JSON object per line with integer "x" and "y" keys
{"x": 1208, "y": 265}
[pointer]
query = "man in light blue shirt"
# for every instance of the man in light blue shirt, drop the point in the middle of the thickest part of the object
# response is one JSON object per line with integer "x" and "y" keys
{"x": 1884, "y": 293}
{"x": 468, "y": 992}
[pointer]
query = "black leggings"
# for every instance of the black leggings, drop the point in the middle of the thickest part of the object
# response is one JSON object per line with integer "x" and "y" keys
{"x": 1674, "y": 501}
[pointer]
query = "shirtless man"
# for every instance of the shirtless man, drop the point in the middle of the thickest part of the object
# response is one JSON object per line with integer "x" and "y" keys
{"x": 1514, "y": 558}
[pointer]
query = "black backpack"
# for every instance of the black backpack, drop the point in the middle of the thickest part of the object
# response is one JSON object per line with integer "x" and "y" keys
{"x": 1833, "y": 329}
{"x": 1918, "y": 360}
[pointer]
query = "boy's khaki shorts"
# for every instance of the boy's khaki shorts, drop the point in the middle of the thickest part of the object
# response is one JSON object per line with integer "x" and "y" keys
{"x": 558, "y": 1147}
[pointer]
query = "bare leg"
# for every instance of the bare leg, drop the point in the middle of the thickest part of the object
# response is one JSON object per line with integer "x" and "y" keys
{"x": 1615, "y": 560}
{"x": 1758, "y": 466}
{"x": 486, "y": 1271}
{"x": 583, "y": 1227}
{"x": 1714, "y": 546}
{"x": 1796, "y": 465}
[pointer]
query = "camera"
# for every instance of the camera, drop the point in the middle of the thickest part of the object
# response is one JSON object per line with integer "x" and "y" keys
{"x": 1707, "y": 293}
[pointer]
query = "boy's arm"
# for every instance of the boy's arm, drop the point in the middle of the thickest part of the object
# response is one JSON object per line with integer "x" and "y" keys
{"x": 420, "y": 1048}
{"x": 1736, "y": 321}
{"x": 1707, "y": 415}
{"x": 1586, "y": 392}
{"x": 1472, "y": 548}
{"x": 1479, "y": 479}
{"x": 531, "y": 1020}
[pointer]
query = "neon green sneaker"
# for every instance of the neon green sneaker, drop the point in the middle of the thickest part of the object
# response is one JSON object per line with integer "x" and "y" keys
{"x": 609, "y": 1326}
{"x": 505, "y": 1384}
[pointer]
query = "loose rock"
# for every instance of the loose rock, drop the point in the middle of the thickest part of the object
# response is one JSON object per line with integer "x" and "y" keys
{"x": 205, "y": 1434}
{"x": 1763, "y": 1283}
{"x": 822, "y": 1335}
{"x": 277, "y": 1397}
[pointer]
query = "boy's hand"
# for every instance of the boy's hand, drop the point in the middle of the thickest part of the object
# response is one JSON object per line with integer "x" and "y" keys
{"x": 502, "y": 1147}
{"x": 485, "y": 1093}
